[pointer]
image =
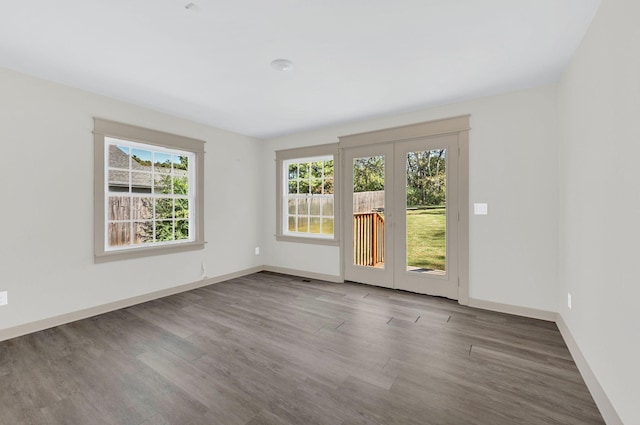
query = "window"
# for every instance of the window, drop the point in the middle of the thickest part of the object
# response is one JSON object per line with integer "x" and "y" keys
{"x": 149, "y": 192}
{"x": 306, "y": 195}
{"x": 309, "y": 198}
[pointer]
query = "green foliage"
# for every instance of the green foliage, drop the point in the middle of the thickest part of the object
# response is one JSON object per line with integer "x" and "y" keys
{"x": 182, "y": 165}
{"x": 311, "y": 177}
{"x": 180, "y": 185}
{"x": 167, "y": 210}
{"x": 426, "y": 178}
{"x": 368, "y": 174}
{"x": 164, "y": 231}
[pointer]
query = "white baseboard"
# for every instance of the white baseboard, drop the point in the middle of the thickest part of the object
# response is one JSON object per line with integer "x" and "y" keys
{"x": 62, "y": 319}
{"x": 549, "y": 316}
{"x": 302, "y": 273}
{"x": 607, "y": 410}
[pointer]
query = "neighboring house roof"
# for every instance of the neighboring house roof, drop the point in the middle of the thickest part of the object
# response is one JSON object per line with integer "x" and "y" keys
{"x": 120, "y": 178}
{"x": 119, "y": 159}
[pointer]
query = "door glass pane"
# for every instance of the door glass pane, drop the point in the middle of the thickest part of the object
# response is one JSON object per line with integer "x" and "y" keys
{"x": 368, "y": 211}
{"x": 426, "y": 211}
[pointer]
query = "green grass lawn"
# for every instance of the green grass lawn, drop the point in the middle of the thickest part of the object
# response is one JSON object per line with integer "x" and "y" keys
{"x": 426, "y": 246}
{"x": 313, "y": 225}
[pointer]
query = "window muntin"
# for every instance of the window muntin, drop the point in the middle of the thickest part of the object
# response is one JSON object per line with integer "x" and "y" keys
{"x": 149, "y": 193}
{"x": 308, "y": 197}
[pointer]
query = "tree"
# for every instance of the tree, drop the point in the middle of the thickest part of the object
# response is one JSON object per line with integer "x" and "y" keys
{"x": 426, "y": 177}
{"x": 368, "y": 174}
{"x": 183, "y": 164}
{"x": 170, "y": 212}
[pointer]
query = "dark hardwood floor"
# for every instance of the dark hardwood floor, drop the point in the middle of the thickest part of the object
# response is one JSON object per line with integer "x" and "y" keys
{"x": 274, "y": 349}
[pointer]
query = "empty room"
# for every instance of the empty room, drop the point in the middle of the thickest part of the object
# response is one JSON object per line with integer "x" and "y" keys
{"x": 333, "y": 213}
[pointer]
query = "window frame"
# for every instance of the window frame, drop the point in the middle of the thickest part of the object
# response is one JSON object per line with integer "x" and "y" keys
{"x": 302, "y": 154}
{"x": 129, "y": 133}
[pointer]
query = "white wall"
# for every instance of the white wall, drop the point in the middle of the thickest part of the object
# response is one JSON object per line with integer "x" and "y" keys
{"x": 46, "y": 254}
{"x": 561, "y": 183}
{"x": 513, "y": 250}
{"x": 599, "y": 207}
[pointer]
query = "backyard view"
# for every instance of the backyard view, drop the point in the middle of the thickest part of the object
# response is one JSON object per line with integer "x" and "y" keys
{"x": 426, "y": 238}
{"x": 425, "y": 211}
{"x": 309, "y": 198}
{"x": 148, "y": 196}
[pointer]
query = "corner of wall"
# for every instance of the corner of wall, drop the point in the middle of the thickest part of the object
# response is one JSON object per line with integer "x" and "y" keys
{"x": 600, "y": 397}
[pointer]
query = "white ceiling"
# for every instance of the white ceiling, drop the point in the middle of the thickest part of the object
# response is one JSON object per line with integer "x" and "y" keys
{"x": 353, "y": 58}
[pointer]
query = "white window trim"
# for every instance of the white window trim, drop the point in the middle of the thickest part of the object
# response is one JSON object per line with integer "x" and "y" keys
{"x": 105, "y": 128}
{"x": 286, "y": 197}
{"x": 190, "y": 196}
{"x": 300, "y": 154}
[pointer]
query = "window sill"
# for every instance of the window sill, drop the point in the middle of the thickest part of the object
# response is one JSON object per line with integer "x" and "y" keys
{"x": 304, "y": 239}
{"x": 105, "y": 257}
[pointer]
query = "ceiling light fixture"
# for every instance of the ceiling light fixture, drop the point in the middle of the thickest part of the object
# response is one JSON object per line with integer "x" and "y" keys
{"x": 189, "y": 6}
{"x": 283, "y": 65}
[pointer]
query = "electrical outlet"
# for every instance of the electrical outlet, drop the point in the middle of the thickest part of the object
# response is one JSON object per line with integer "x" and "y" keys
{"x": 569, "y": 300}
{"x": 4, "y": 300}
{"x": 257, "y": 250}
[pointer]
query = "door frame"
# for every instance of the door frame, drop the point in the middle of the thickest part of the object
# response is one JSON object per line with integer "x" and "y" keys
{"x": 458, "y": 126}
{"x": 445, "y": 284}
{"x": 371, "y": 275}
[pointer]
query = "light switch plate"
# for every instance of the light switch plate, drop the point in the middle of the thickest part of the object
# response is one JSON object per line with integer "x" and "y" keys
{"x": 480, "y": 209}
{"x": 4, "y": 300}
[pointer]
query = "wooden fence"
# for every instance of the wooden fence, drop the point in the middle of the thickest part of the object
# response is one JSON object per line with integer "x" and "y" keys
{"x": 368, "y": 239}
{"x": 368, "y": 201}
{"x": 122, "y": 210}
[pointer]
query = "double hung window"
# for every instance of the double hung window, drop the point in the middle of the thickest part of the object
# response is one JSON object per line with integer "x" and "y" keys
{"x": 306, "y": 191}
{"x": 309, "y": 203}
{"x": 149, "y": 193}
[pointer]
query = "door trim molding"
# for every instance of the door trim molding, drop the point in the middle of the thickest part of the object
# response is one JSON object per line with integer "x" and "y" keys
{"x": 382, "y": 277}
{"x": 459, "y": 125}
{"x": 463, "y": 219}
{"x": 423, "y": 129}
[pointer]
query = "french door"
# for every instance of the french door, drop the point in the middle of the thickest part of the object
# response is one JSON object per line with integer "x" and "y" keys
{"x": 368, "y": 253}
{"x": 401, "y": 218}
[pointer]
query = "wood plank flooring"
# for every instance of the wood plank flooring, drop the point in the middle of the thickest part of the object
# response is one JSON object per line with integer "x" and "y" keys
{"x": 271, "y": 349}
